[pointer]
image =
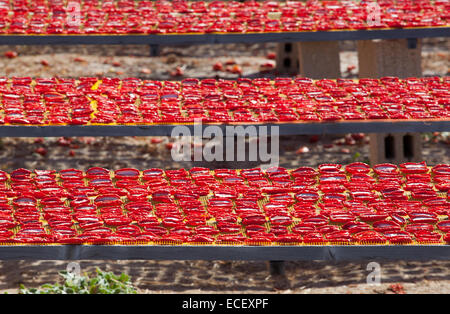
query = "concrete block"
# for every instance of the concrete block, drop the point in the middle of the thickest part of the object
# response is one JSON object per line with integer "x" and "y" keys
{"x": 319, "y": 59}
{"x": 395, "y": 148}
{"x": 287, "y": 61}
{"x": 390, "y": 57}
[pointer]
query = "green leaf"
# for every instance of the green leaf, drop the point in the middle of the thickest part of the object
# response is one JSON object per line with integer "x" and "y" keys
{"x": 124, "y": 277}
{"x": 102, "y": 283}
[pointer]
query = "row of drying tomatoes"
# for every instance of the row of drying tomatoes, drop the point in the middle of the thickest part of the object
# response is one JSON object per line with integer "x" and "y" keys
{"x": 249, "y": 206}
{"x": 191, "y": 89}
{"x": 178, "y": 17}
{"x": 308, "y": 185}
{"x": 94, "y": 101}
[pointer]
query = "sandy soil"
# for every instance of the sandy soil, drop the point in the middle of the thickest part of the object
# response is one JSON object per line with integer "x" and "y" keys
{"x": 196, "y": 61}
{"x": 142, "y": 153}
{"x": 206, "y": 276}
{"x": 245, "y": 277}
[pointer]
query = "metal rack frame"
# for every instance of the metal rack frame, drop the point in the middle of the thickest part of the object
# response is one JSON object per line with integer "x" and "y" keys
{"x": 210, "y": 252}
{"x": 377, "y": 126}
{"x": 223, "y": 38}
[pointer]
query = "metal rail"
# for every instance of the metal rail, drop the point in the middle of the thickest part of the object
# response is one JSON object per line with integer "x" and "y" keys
{"x": 377, "y": 126}
{"x": 205, "y": 252}
{"x": 187, "y": 39}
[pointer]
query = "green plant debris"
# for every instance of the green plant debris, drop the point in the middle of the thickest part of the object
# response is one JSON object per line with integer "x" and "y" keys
{"x": 102, "y": 283}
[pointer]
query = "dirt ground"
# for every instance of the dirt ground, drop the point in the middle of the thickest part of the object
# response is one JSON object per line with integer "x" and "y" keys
{"x": 245, "y": 277}
{"x": 207, "y": 276}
